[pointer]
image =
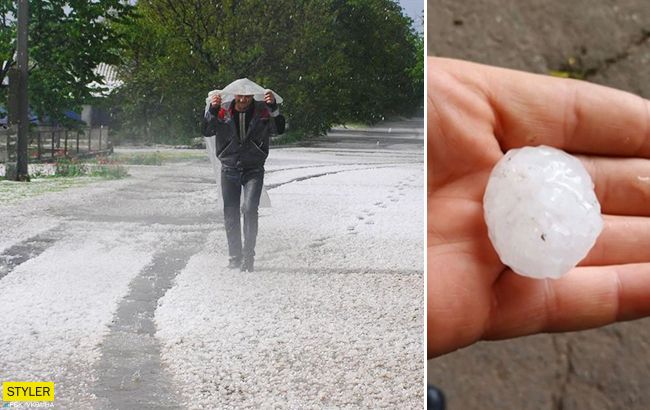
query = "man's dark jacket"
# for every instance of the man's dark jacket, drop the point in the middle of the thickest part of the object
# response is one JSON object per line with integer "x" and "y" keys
{"x": 233, "y": 153}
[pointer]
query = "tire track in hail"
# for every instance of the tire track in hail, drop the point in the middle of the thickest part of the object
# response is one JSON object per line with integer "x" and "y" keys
{"x": 306, "y": 177}
{"x": 27, "y": 249}
{"x": 130, "y": 373}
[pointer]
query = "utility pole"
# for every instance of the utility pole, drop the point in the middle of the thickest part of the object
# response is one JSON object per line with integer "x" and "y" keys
{"x": 22, "y": 103}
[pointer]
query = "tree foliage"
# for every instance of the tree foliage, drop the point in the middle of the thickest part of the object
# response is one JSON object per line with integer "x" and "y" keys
{"x": 379, "y": 44}
{"x": 332, "y": 60}
{"x": 67, "y": 40}
{"x": 417, "y": 71}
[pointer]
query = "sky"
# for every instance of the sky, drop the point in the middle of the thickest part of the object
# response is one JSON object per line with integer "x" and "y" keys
{"x": 413, "y": 9}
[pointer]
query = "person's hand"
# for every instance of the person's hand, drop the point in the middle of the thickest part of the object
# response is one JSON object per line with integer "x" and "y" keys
{"x": 269, "y": 98}
{"x": 475, "y": 114}
{"x": 216, "y": 101}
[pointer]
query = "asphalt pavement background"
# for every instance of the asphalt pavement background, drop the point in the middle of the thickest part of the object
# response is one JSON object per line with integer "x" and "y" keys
{"x": 607, "y": 42}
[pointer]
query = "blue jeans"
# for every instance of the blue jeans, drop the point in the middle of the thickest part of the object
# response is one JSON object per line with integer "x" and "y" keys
{"x": 233, "y": 182}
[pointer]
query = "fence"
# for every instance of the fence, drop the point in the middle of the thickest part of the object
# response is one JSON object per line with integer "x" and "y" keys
{"x": 4, "y": 135}
{"x": 49, "y": 143}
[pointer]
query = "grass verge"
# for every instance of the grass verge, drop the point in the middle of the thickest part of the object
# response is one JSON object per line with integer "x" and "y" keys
{"x": 11, "y": 191}
{"x": 289, "y": 137}
{"x": 157, "y": 157}
{"x": 101, "y": 167}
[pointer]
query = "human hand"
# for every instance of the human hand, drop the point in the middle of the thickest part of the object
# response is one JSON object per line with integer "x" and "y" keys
{"x": 216, "y": 100}
{"x": 269, "y": 98}
{"x": 475, "y": 114}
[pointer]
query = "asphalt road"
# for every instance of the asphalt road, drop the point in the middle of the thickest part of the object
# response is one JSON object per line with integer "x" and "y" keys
{"x": 607, "y": 42}
{"x": 118, "y": 291}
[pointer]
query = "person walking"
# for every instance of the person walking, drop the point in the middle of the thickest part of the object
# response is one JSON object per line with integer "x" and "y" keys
{"x": 242, "y": 117}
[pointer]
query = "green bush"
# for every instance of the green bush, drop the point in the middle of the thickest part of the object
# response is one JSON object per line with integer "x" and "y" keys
{"x": 289, "y": 137}
{"x": 103, "y": 168}
{"x": 66, "y": 167}
{"x": 149, "y": 158}
{"x": 113, "y": 171}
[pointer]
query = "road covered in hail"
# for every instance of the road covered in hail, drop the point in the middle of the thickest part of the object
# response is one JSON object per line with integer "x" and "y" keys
{"x": 118, "y": 291}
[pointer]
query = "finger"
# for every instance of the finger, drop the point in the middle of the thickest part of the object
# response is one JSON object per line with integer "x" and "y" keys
{"x": 624, "y": 239}
{"x": 573, "y": 115}
{"x": 460, "y": 128}
{"x": 463, "y": 209}
{"x": 622, "y": 185}
{"x": 587, "y": 297}
{"x": 458, "y": 292}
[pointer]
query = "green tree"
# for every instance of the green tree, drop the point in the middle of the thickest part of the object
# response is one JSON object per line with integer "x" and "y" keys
{"x": 380, "y": 46}
{"x": 67, "y": 40}
{"x": 162, "y": 83}
{"x": 417, "y": 71}
{"x": 179, "y": 50}
{"x": 306, "y": 51}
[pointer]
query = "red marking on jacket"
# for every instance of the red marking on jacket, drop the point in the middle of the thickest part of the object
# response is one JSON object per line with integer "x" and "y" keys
{"x": 229, "y": 113}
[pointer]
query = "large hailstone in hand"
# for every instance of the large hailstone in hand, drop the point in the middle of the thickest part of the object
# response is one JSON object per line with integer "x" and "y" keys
{"x": 541, "y": 211}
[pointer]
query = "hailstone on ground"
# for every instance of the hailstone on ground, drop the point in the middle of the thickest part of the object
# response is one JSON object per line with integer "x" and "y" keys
{"x": 541, "y": 211}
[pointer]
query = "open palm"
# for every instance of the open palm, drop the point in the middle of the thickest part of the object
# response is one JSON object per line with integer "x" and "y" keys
{"x": 475, "y": 114}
